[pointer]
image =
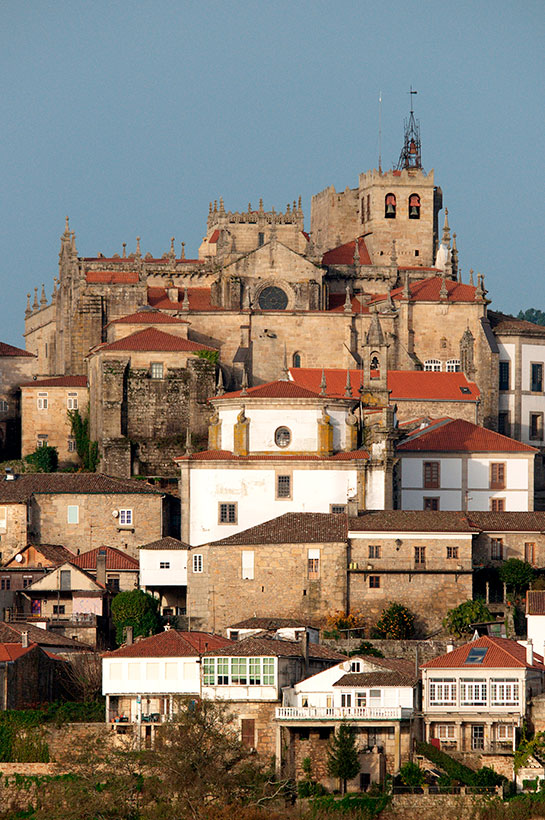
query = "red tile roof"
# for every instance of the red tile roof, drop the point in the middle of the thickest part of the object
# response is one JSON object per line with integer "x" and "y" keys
{"x": 270, "y": 623}
{"x": 502, "y": 653}
{"x": 171, "y": 643}
{"x": 10, "y": 350}
{"x": 293, "y": 528}
{"x": 166, "y": 543}
{"x": 281, "y": 389}
{"x": 428, "y": 290}
{"x": 115, "y": 559}
{"x": 411, "y": 521}
{"x": 24, "y": 486}
{"x": 337, "y": 300}
{"x": 502, "y": 324}
{"x": 153, "y": 339}
{"x": 53, "y": 554}
{"x": 199, "y": 299}
{"x": 12, "y": 651}
{"x": 344, "y": 254}
{"x": 458, "y": 435}
{"x": 43, "y": 637}
{"x": 149, "y": 317}
{"x": 59, "y": 381}
{"x": 403, "y": 384}
{"x": 281, "y": 648}
{"x": 112, "y": 277}
{"x": 215, "y": 236}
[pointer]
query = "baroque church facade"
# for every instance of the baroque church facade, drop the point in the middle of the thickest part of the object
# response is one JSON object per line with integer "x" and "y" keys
{"x": 375, "y": 285}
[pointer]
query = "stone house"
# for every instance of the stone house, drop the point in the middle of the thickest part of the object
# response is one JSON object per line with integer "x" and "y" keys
{"x": 163, "y": 573}
{"x": 142, "y": 681}
{"x": 82, "y": 511}
{"x": 280, "y": 447}
{"x": 452, "y": 464}
{"x": 16, "y": 366}
{"x": 477, "y": 696}
{"x": 111, "y": 567}
{"x": 147, "y": 391}
{"x": 45, "y": 405}
{"x": 252, "y": 673}
{"x": 25, "y": 567}
{"x": 377, "y": 697}
{"x": 46, "y": 639}
{"x": 27, "y": 675}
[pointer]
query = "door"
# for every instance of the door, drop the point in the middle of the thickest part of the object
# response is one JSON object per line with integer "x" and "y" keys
{"x": 477, "y": 736}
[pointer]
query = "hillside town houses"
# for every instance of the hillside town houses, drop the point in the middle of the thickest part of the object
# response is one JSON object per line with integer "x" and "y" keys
{"x": 289, "y": 427}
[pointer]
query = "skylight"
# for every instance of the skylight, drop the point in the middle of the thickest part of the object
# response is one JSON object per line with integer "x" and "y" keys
{"x": 465, "y": 390}
{"x": 476, "y": 655}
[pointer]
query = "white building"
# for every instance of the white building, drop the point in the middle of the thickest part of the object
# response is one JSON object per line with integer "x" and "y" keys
{"x": 452, "y": 464}
{"x": 163, "y": 573}
{"x": 142, "y": 680}
{"x": 535, "y": 617}
{"x": 281, "y": 448}
{"x": 290, "y": 629}
{"x": 477, "y": 696}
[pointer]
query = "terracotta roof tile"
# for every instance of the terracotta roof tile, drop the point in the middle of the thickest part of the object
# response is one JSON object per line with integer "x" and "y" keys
{"x": 520, "y": 521}
{"x": 10, "y": 652}
{"x": 411, "y": 521}
{"x": 535, "y": 602}
{"x": 255, "y": 647}
{"x": 115, "y": 559}
{"x": 502, "y": 653}
{"x": 215, "y": 236}
{"x": 502, "y": 323}
{"x": 149, "y": 317}
{"x": 53, "y": 553}
{"x": 28, "y": 484}
{"x": 153, "y": 339}
{"x": 280, "y": 389}
{"x": 403, "y": 384}
{"x": 337, "y": 300}
{"x": 428, "y": 290}
{"x": 112, "y": 277}
{"x": 293, "y": 528}
{"x": 166, "y": 543}
{"x": 458, "y": 435}
{"x": 10, "y": 350}
{"x": 59, "y": 381}
{"x": 171, "y": 643}
{"x": 199, "y": 299}
{"x": 384, "y": 678}
{"x": 344, "y": 254}
{"x": 43, "y": 637}
{"x": 269, "y": 623}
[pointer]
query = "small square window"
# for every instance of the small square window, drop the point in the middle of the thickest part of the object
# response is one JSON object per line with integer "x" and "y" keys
{"x": 164, "y": 564}
{"x": 156, "y": 370}
{"x": 452, "y": 552}
{"x": 337, "y": 509}
{"x": 72, "y": 514}
{"x": 27, "y": 580}
{"x": 497, "y": 504}
{"x": 420, "y": 555}
{"x": 227, "y": 512}
{"x": 431, "y": 503}
{"x": 374, "y": 582}
{"x": 125, "y": 518}
{"x": 6, "y": 583}
{"x": 58, "y": 609}
{"x": 374, "y": 551}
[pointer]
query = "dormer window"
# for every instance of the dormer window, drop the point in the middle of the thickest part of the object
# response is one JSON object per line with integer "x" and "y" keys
{"x": 390, "y": 206}
{"x": 414, "y": 206}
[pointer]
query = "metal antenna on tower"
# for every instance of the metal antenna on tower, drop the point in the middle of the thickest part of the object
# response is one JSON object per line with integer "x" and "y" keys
{"x": 410, "y": 156}
{"x": 380, "y": 132}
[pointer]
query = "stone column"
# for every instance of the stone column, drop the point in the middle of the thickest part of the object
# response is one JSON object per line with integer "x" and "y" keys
{"x": 107, "y": 708}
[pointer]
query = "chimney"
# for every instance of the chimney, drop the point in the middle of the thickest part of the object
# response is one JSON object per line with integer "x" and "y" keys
{"x": 167, "y": 627}
{"x": 10, "y": 475}
{"x": 304, "y": 651}
{"x": 101, "y": 566}
{"x": 24, "y": 639}
{"x": 352, "y": 507}
{"x": 529, "y": 652}
{"x": 450, "y": 647}
{"x": 128, "y": 635}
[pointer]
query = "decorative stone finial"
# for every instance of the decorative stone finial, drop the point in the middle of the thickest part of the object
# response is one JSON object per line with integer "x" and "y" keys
{"x": 323, "y": 384}
{"x": 443, "y": 292}
{"x": 124, "y": 250}
{"x": 244, "y": 385}
{"x": 299, "y": 208}
{"x": 43, "y": 297}
{"x": 375, "y": 336}
{"x": 220, "y": 386}
{"x": 406, "y": 290}
{"x": 471, "y": 276}
{"x": 54, "y": 294}
{"x": 348, "y": 301}
{"x": 185, "y": 301}
{"x": 215, "y": 206}
{"x": 285, "y": 373}
{"x": 446, "y": 231}
{"x": 172, "y": 251}
{"x": 249, "y": 207}
{"x": 188, "y": 448}
{"x": 261, "y": 210}
{"x": 138, "y": 252}
{"x": 356, "y": 256}
{"x": 241, "y": 418}
{"x": 348, "y": 387}
{"x": 183, "y": 251}
{"x": 67, "y": 227}
{"x": 222, "y": 208}
{"x": 28, "y": 310}
{"x": 393, "y": 255}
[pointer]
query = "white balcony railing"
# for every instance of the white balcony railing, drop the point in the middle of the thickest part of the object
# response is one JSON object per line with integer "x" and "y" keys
{"x": 342, "y": 713}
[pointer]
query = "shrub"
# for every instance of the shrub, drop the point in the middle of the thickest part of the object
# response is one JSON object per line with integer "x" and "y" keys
{"x": 44, "y": 459}
{"x": 396, "y": 622}
{"x": 517, "y": 574}
{"x": 366, "y": 648}
{"x": 411, "y": 774}
{"x": 458, "y": 620}
{"x": 135, "y": 608}
{"x": 457, "y": 771}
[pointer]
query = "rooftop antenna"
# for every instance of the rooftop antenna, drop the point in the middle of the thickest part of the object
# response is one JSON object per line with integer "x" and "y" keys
{"x": 380, "y": 132}
{"x": 410, "y": 156}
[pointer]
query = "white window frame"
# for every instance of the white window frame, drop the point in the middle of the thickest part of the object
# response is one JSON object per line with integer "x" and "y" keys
{"x": 442, "y": 691}
{"x": 72, "y": 401}
{"x": 445, "y": 732}
{"x": 71, "y": 445}
{"x": 42, "y": 401}
{"x": 42, "y": 440}
{"x": 197, "y": 562}
{"x": 72, "y": 511}
{"x": 247, "y": 565}
{"x": 504, "y": 692}
{"x": 125, "y": 518}
{"x": 453, "y": 366}
{"x": 504, "y": 732}
{"x": 157, "y": 370}
{"x": 473, "y": 692}
{"x": 433, "y": 365}
{"x": 4, "y": 406}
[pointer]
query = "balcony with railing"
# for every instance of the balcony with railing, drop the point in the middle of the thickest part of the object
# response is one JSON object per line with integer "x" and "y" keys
{"x": 343, "y": 713}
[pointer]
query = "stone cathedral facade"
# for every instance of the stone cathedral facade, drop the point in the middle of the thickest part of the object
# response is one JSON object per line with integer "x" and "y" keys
{"x": 267, "y": 294}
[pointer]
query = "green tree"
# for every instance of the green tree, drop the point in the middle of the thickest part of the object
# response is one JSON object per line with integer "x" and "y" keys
{"x": 458, "y": 620}
{"x": 412, "y": 775}
{"x": 532, "y": 315}
{"x": 44, "y": 459}
{"x": 342, "y": 761}
{"x": 135, "y": 608}
{"x": 396, "y": 622}
{"x": 517, "y": 574}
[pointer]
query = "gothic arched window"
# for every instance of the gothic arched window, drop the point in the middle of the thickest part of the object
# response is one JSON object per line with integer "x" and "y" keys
{"x": 414, "y": 206}
{"x": 296, "y": 360}
{"x": 390, "y": 206}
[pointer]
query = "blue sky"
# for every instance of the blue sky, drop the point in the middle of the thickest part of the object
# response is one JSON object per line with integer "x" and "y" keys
{"x": 131, "y": 116}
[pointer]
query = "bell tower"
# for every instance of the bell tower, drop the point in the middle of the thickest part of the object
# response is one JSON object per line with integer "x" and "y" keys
{"x": 401, "y": 204}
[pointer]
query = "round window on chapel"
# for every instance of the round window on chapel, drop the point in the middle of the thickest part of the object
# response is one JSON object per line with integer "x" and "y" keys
{"x": 273, "y": 298}
{"x": 282, "y": 437}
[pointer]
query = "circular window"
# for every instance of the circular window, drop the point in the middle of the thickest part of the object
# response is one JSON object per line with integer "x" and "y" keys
{"x": 273, "y": 298}
{"x": 282, "y": 437}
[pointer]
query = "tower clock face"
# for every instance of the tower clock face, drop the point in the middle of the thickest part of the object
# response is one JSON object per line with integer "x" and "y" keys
{"x": 273, "y": 298}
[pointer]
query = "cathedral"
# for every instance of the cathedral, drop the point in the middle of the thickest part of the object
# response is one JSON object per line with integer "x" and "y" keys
{"x": 374, "y": 285}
